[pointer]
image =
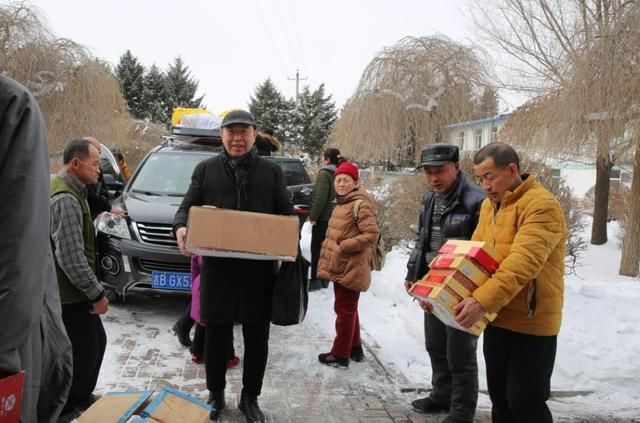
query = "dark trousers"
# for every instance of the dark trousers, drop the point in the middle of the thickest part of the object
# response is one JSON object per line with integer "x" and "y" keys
{"x": 519, "y": 371}
{"x": 218, "y": 337}
{"x": 185, "y": 322}
{"x": 88, "y": 342}
{"x": 197, "y": 343}
{"x": 347, "y": 321}
{"x": 318, "y": 233}
{"x": 454, "y": 367}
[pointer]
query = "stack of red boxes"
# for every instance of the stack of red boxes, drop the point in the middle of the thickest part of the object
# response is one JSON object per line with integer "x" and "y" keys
{"x": 459, "y": 268}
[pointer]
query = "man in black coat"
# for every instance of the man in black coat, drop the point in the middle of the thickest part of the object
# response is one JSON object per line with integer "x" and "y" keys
{"x": 32, "y": 337}
{"x": 449, "y": 210}
{"x": 236, "y": 290}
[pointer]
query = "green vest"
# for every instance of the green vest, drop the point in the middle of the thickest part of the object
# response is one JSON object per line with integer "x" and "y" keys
{"x": 69, "y": 294}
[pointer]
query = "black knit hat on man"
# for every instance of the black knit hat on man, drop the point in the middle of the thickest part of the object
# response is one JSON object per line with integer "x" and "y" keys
{"x": 438, "y": 154}
{"x": 241, "y": 117}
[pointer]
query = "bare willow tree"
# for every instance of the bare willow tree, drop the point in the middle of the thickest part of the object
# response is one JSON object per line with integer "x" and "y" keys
{"x": 405, "y": 95}
{"x": 77, "y": 94}
{"x": 544, "y": 42}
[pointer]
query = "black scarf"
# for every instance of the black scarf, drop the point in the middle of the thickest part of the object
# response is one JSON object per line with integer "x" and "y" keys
{"x": 238, "y": 168}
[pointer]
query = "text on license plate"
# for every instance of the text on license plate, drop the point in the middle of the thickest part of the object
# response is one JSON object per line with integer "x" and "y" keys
{"x": 171, "y": 280}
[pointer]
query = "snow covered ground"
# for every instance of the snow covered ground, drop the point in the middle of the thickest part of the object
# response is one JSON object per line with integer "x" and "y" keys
{"x": 598, "y": 346}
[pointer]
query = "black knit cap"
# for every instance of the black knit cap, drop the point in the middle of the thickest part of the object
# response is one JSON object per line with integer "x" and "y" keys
{"x": 238, "y": 116}
{"x": 439, "y": 154}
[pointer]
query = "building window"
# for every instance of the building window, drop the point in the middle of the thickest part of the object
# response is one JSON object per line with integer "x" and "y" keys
{"x": 615, "y": 174}
{"x": 494, "y": 133}
{"x": 477, "y": 139}
{"x": 557, "y": 173}
{"x": 461, "y": 140}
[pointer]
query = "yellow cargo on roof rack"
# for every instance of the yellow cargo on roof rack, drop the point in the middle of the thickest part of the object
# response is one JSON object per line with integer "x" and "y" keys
{"x": 178, "y": 112}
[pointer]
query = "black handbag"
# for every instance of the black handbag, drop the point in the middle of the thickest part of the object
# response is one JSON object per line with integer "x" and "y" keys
{"x": 291, "y": 292}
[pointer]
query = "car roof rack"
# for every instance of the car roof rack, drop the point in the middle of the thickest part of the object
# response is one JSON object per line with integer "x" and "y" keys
{"x": 196, "y": 132}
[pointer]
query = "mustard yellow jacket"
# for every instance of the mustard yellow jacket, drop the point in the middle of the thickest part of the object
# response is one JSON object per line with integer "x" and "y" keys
{"x": 529, "y": 231}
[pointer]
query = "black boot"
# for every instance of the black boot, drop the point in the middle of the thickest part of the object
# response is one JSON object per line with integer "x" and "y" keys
{"x": 249, "y": 407}
{"x": 216, "y": 401}
{"x": 357, "y": 354}
{"x": 182, "y": 334}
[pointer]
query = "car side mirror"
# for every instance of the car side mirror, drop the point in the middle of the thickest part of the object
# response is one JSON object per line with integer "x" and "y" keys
{"x": 111, "y": 183}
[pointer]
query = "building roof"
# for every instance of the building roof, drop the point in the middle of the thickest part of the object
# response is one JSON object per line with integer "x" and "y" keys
{"x": 496, "y": 118}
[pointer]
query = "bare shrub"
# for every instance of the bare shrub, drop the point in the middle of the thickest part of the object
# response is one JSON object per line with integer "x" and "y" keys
{"x": 398, "y": 210}
{"x": 618, "y": 201}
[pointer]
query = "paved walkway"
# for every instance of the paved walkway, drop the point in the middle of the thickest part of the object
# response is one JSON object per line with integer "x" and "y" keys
{"x": 143, "y": 354}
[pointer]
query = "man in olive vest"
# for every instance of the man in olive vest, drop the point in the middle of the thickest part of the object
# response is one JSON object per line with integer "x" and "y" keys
{"x": 74, "y": 248}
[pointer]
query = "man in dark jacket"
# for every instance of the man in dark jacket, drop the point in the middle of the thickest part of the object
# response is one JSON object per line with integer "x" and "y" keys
{"x": 449, "y": 210}
{"x": 236, "y": 290}
{"x": 32, "y": 337}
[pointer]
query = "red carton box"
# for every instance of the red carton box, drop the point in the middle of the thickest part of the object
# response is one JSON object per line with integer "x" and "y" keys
{"x": 466, "y": 266}
{"x": 11, "y": 397}
{"x": 451, "y": 278}
{"x": 479, "y": 251}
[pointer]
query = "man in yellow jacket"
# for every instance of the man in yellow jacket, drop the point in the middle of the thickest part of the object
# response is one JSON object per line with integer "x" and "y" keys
{"x": 526, "y": 225}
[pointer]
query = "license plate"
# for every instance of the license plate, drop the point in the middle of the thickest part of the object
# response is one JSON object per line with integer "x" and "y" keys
{"x": 171, "y": 280}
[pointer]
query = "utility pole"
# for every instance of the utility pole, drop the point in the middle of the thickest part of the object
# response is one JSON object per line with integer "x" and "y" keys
{"x": 297, "y": 79}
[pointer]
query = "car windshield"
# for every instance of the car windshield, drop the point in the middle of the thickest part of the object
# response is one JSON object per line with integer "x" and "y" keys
{"x": 167, "y": 174}
{"x": 293, "y": 173}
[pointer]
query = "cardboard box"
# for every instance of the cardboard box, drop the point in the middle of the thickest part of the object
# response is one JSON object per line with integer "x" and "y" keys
{"x": 232, "y": 233}
{"x": 448, "y": 319}
{"x": 479, "y": 251}
{"x": 451, "y": 278}
{"x": 172, "y": 405}
{"x": 466, "y": 266}
{"x": 443, "y": 297}
{"x": 115, "y": 407}
{"x": 11, "y": 397}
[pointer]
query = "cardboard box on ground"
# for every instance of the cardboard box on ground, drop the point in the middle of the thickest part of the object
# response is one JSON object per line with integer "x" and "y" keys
{"x": 169, "y": 405}
{"x": 459, "y": 268}
{"x": 232, "y": 233}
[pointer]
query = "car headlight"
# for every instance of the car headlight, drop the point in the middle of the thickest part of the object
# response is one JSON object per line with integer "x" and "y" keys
{"x": 113, "y": 225}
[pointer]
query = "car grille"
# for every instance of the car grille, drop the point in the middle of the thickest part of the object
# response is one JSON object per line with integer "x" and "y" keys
{"x": 156, "y": 233}
{"x": 149, "y": 266}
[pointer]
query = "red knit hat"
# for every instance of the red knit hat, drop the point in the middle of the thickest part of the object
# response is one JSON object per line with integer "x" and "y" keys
{"x": 348, "y": 169}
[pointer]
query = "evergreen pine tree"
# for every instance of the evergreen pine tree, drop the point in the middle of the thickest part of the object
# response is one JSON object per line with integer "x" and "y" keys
{"x": 130, "y": 73}
{"x": 155, "y": 101}
{"x": 181, "y": 87}
{"x": 271, "y": 110}
{"x": 313, "y": 119}
{"x": 488, "y": 105}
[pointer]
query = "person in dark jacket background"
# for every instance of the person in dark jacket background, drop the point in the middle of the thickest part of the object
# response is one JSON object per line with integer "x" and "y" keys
{"x": 267, "y": 143}
{"x": 449, "y": 210}
{"x": 235, "y": 290}
{"x": 33, "y": 337}
{"x": 324, "y": 195}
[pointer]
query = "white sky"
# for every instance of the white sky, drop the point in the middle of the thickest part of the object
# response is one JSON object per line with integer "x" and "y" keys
{"x": 233, "y": 46}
